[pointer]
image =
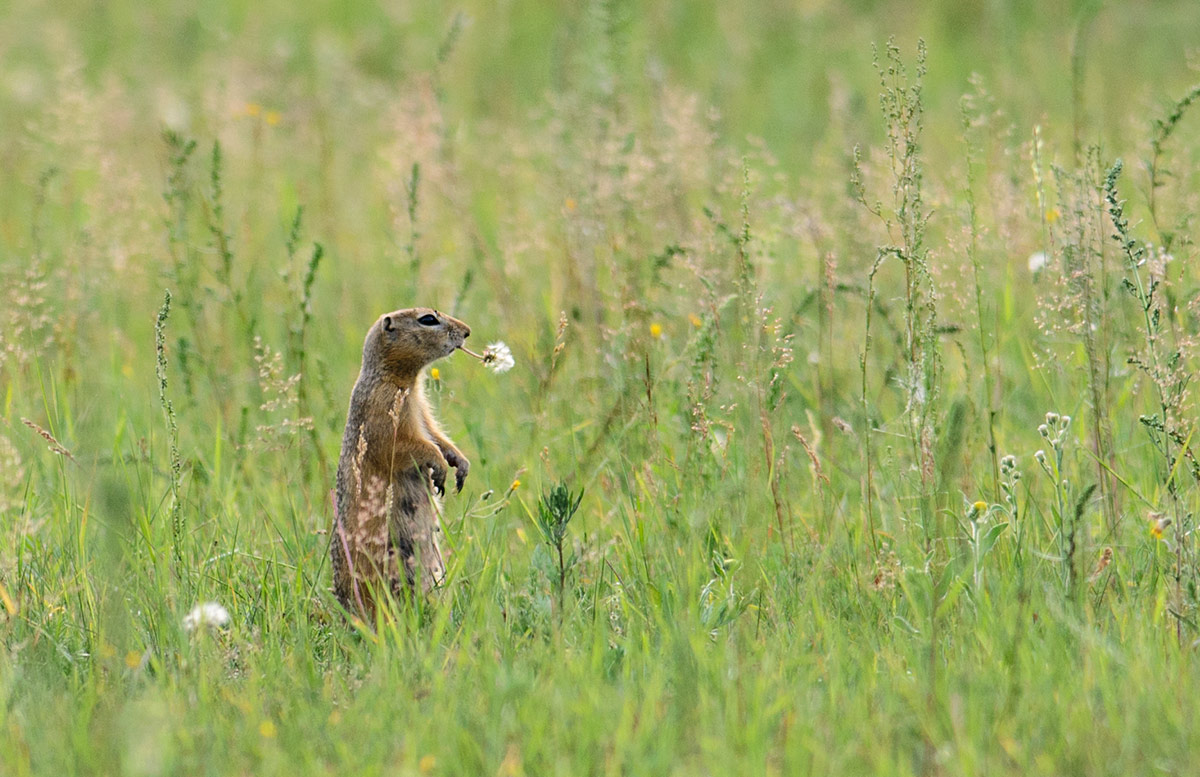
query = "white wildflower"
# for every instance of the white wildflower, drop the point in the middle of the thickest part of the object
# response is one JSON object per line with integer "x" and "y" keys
{"x": 498, "y": 357}
{"x": 208, "y": 615}
{"x": 1037, "y": 261}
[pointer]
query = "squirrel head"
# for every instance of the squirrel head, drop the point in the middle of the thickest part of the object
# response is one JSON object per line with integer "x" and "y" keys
{"x": 402, "y": 342}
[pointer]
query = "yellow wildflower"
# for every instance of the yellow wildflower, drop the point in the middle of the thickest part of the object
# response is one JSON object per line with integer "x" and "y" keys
{"x": 656, "y": 330}
{"x": 267, "y": 729}
{"x": 272, "y": 117}
{"x": 426, "y": 764}
{"x": 570, "y": 204}
{"x": 1158, "y": 525}
{"x": 253, "y": 109}
{"x": 435, "y": 373}
{"x": 695, "y": 320}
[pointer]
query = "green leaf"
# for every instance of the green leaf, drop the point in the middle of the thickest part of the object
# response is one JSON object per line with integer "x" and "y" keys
{"x": 989, "y": 539}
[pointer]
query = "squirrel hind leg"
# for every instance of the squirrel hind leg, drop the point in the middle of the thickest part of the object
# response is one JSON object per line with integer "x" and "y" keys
{"x": 414, "y": 534}
{"x": 416, "y": 564}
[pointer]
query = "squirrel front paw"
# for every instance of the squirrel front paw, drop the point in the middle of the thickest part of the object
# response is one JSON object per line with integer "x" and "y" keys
{"x": 461, "y": 467}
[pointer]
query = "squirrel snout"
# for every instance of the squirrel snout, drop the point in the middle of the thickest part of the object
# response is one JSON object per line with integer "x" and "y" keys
{"x": 466, "y": 332}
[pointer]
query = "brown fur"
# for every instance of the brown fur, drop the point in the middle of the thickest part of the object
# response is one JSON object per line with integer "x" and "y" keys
{"x": 394, "y": 460}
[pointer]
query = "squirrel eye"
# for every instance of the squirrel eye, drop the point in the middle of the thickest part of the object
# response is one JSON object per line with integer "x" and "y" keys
{"x": 428, "y": 320}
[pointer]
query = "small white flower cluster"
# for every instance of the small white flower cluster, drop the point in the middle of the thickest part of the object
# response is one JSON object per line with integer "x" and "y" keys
{"x": 1053, "y": 431}
{"x": 1055, "y": 428}
{"x": 498, "y": 358}
{"x": 1037, "y": 261}
{"x": 206, "y": 615}
{"x": 1010, "y": 475}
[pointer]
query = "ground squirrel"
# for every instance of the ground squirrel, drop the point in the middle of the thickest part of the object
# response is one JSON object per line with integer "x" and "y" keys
{"x": 394, "y": 461}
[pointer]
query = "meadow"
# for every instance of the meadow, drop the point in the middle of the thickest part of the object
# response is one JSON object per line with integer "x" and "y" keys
{"x": 865, "y": 331}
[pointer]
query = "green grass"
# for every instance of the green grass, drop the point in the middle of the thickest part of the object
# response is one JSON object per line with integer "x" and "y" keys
{"x": 780, "y": 332}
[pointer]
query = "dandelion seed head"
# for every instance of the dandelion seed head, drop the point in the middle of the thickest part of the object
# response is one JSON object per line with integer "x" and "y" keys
{"x": 206, "y": 615}
{"x": 1037, "y": 261}
{"x": 498, "y": 358}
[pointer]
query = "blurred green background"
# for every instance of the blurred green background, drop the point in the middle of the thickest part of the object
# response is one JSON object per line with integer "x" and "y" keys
{"x": 770, "y": 68}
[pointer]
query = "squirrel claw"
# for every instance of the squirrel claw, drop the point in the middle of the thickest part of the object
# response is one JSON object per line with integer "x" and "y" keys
{"x": 461, "y": 468}
{"x": 438, "y": 476}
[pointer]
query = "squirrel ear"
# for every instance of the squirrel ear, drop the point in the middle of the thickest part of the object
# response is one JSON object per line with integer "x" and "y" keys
{"x": 387, "y": 323}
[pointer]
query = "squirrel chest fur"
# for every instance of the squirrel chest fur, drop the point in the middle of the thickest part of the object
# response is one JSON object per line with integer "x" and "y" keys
{"x": 393, "y": 464}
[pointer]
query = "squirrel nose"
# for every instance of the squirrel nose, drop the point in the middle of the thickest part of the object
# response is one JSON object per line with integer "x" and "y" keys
{"x": 467, "y": 333}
